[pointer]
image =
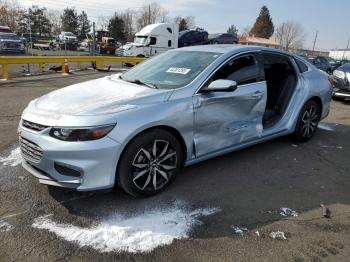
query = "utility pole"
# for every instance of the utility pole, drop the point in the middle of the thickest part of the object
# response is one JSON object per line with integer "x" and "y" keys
{"x": 149, "y": 14}
{"x": 93, "y": 38}
{"x": 313, "y": 48}
{"x": 347, "y": 48}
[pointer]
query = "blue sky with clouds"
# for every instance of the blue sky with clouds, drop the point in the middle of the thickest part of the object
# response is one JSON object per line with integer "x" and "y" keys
{"x": 330, "y": 18}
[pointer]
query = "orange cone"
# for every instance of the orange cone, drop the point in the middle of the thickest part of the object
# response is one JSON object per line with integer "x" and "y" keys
{"x": 65, "y": 68}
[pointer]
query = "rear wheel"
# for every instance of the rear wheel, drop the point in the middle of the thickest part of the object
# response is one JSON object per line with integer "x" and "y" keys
{"x": 149, "y": 163}
{"x": 308, "y": 120}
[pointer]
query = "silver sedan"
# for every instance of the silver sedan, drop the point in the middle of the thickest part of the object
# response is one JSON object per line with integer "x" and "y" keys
{"x": 137, "y": 129}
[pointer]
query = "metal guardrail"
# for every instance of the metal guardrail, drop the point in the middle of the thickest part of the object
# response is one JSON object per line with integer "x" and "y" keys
{"x": 5, "y": 61}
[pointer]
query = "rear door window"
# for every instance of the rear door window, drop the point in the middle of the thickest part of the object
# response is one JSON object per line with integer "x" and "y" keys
{"x": 301, "y": 65}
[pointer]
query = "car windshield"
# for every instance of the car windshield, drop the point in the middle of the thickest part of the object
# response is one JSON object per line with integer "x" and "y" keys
{"x": 9, "y": 37}
{"x": 172, "y": 69}
{"x": 69, "y": 34}
{"x": 140, "y": 39}
{"x": 345, "y": 67}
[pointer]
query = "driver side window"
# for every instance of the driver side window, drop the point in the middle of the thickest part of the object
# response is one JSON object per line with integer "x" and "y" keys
{"x": 244, "y": 70}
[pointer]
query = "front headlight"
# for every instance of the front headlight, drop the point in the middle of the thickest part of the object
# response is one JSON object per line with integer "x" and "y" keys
{"x": 339, "y": 74}
{"x": 80, "y": 134}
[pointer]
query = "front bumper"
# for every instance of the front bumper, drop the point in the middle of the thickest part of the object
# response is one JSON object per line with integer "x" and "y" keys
{"x": 84, "y": 166}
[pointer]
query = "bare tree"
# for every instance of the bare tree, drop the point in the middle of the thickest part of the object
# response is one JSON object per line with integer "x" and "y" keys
{"x": 185, "y": 22}
{"x": 10, "y": 14}
{"x": 290, "y": 34}
{"x": 129, "y": 23}
{"x": 151, "y": 14}
{"x": 55, "y": 20}
{"x": 102, "y": 22}
{"x": 246, "y": 30}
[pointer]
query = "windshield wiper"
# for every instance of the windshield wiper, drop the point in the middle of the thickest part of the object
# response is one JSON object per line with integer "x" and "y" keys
{"x": 139, "y": 82}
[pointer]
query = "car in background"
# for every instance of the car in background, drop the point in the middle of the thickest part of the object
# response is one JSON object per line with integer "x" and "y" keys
{"x": 180, "y": 107}
{"x": 68, "y": 40}
{"x": 342, "y": 82}
{"x": 335, "y": 63}
{"x": 321, "y": 63}
{"x": 224, "y": 38}
{"x": 11, "y": 43}
{"x": 5, "y": 29}
{"x": 192, "y": 37}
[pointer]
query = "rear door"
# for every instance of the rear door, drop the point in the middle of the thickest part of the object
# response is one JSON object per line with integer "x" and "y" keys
{"x": 224, "y": 119}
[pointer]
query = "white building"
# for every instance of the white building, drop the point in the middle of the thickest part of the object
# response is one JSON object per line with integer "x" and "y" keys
{"x": 340, "y": 54}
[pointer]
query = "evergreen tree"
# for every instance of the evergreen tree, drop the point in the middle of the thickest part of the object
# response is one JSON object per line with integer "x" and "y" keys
{"x": 116, "y": 28}
{"x": 183, "y": 25}
{"x": 70, "y": 20}
{"x": 37, "y": 19}
{"x": 263, "y": 26}
{"x": 84, "y": 25}
{"x": 232, "y": 30}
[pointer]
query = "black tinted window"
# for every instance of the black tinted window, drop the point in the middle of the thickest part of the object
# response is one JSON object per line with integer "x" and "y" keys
{"x": 243, "y": 70}
{"x": 153, "y": 41}
{"x": 302, "y": 67}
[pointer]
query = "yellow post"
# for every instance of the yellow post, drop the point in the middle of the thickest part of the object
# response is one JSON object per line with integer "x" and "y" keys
{"x": 41, "y": 68}
{"x": 99, "y": 64}
{"x": 5, "y": 71}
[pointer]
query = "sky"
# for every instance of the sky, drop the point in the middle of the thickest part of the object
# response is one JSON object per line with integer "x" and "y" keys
{"x": 330, "y": 18}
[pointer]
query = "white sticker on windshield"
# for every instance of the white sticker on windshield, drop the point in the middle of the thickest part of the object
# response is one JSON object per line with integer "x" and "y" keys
{"x": 178, "y": 70}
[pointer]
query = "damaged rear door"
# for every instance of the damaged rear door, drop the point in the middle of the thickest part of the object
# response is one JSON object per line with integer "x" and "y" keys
{"x": 224, "y": 119}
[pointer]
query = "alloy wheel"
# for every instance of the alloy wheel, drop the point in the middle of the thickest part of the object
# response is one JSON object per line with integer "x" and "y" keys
{"x": 153, "y": 166}
{"x": 309, "y": 121}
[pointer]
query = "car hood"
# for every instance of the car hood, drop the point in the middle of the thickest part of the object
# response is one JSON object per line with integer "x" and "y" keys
{"x": 106, "y": 95}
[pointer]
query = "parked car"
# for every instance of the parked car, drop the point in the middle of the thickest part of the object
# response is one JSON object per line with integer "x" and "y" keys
{"x": 137, "y": 129}
{"x": 10, "y": 42}
{"x": 222, "y": 39}
{"x": 334, "y": 63}
{"x": 28, "y": 38}
{"x": 192, "y": 37}
{"x": 321, "y": 63}
{"x": 342, "y": 82}
{"x": 68, "y": 40}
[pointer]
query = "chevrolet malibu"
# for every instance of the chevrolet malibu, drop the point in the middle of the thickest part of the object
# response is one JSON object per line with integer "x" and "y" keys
{"x": 137, "y": 129}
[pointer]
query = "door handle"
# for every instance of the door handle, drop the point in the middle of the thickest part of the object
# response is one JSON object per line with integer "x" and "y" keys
{"x": 257, "y": 94}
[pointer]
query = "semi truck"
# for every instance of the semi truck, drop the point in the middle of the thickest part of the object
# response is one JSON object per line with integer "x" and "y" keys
{"x": 151, "y": 40}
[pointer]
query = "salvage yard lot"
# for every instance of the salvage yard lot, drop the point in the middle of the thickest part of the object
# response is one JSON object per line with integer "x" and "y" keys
{"x": 244, "y": 189}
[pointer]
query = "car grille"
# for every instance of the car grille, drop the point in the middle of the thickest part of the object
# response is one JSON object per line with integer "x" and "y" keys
{"x": 11, "y": 45}
{"x": 30, "y": 151}
{"x": 33, "y": 126}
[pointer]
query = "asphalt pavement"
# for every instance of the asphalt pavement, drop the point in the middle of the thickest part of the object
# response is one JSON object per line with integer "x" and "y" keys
{"x": 229, "y": 206}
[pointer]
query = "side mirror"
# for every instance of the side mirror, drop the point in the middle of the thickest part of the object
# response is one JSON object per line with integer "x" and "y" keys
{"x": 221, "y": 85}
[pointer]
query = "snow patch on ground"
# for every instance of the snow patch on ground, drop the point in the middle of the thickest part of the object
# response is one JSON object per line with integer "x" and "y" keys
{"x": 138, "y": 233}
{"x": 286, "y": 212}
{"x": 278, "y": 235}
{"x": 239, "y": 230}
{"x": 13, "y": 159}
{"x": 5, "y": 227}
{"x": 325, "y": 126}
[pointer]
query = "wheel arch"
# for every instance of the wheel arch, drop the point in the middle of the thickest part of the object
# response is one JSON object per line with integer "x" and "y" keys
{"x": 167, "y": 128}
{"x": 318, "y": 100}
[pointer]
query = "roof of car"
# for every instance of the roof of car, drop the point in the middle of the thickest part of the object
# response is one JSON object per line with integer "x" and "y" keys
{"x": 230, "y": 49}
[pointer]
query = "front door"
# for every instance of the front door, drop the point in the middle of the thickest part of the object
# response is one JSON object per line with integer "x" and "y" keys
{"x": 224, "y": 119}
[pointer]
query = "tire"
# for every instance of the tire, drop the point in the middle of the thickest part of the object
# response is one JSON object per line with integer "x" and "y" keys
{"x": 149, "y": 163}
{"x": 112, "y": 52}
{"x": 308, "y": 120}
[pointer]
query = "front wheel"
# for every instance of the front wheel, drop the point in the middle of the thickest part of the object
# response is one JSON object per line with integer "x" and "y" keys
{"x": 149, "y": 163}
{"x": 308, "y": 119}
